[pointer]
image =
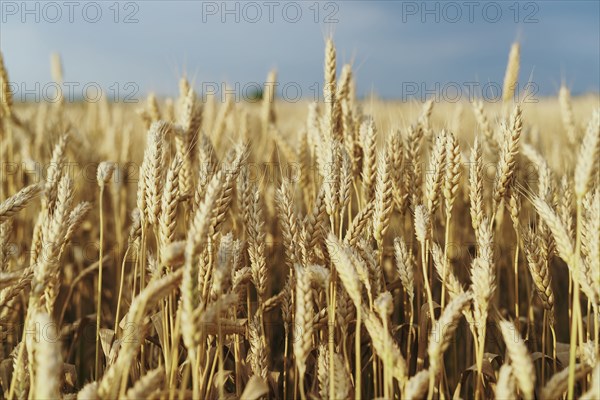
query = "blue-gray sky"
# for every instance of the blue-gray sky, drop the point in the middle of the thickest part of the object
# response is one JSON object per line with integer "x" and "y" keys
{"x": 396, "y": 47}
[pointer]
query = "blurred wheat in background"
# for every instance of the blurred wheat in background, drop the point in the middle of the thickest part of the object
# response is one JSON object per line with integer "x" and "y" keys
{"x": 342, "y": 249}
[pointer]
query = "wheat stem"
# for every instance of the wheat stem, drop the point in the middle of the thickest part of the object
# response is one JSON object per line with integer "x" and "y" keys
{"x": 576, "y": 314}
{"x": 99, "y": 292}
{"x": 357, "y": 356}
{"x": 516, "y": 273}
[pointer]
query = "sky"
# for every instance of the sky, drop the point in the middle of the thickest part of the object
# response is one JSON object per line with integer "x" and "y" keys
{"x": 398, "y": 49}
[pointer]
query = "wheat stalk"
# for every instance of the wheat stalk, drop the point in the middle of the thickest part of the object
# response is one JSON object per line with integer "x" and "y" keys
{"x": 435, "y": 173}
{"x": 383, "y": 199}
{"x": 441, "y": 333}
{"x": 484, "y": 124}
{"x": 511, "y": 76}
{"x": 304, "y": 318}
{"x": 566, "y": 112}
{"x": 588, "y": 156}
{"x": 558, "y": 383}
{"x": 539, "y": 272}
{"x": 476, "y": 186}
{"x": 505, "y": 385}
{"x": 342, "y": 380}
{"x": 368, "y": 138}
{"x": 508, "y": 154}
{"x": 147, "y": 385}
{"x": 47, "y": 357}
{"x": 519, "y": 358}
{"x": 15, "y": 203}
{"x": 5, "y": 91}
{"x": 170, "y": 199}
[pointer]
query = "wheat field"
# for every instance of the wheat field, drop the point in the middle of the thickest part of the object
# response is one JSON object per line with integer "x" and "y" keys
{"x": 348, "y": 248}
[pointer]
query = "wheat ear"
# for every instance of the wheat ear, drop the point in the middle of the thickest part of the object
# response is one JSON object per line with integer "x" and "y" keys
{"x": 47, "y": 358}
{"x": 588, "y": 156}
{"x": 520, "y": 359}
{"x": 368, "y": 137}
{"x": 508, "y": 155}
{"x": 18, "y": 201}
{"x": 566, "y": 112}
{"x": 304, "y": 318}
{"x": 505, "y": 385}
{"x": 441, "y": 334}
{"x": 512, "y": 73}
{"x": 435, "y": 173}
{"x": 147, "y": 384}
{"x": 558, "y": 383}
